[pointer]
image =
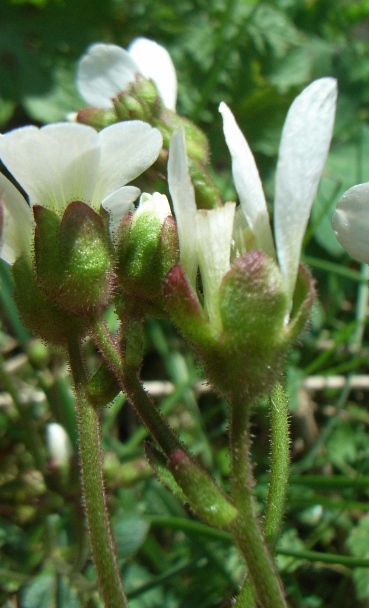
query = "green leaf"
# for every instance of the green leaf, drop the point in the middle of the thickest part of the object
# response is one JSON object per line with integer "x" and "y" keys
{"x": 40, "y": 593}
{"x": 67, "y": 596}
{"x": 130, "y": 534}
{"x": 342, "y": 445}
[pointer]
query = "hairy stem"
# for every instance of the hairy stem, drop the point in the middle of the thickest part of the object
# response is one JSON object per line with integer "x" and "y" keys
{"x": 90, "y": 453}
{"x": 128, "y": 379}
{"x": 278, "y": 481}
{"x": 246, "y": 528}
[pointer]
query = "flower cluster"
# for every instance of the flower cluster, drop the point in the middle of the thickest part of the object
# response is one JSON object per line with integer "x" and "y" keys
{"x": 243, "y": 269}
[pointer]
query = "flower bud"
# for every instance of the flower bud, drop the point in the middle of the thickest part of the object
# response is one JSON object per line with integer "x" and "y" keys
{"x": 98, "y": 118}
{"x": 73, "y": 257}
{"x": 203, "y": 495}
{"x": 197, "y": 145}
{"x": 147, "y": 247}
{"x": 140, "y": 100}
{"x": 193, "y": 485}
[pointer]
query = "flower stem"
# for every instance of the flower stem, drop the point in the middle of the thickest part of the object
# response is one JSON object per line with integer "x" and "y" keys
{"x": 279, "y": 465}
{"x": 278, "y": 484}
{"x": 246, "y": 528}
{"x": 128, "y": 379}
{"x": 90, "y": 452}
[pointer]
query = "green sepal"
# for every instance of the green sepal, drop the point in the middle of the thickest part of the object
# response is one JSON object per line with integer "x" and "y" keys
{"x": 184, "y": 308}
{"x": 47, "y": 248}
{"x": 98, "y": 118}
{"x": 202, "y": 493}
{"x": 103, "y": 386}
{"x": 39, "y": 314}
{"x": 159, "y": 463}
{"x": 303, "y": 300}
{"x": 73, "y": 257}
{"x": 147, "y": 247}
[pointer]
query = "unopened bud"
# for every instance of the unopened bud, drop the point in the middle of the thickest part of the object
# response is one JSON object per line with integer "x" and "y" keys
{"x": 147, "y": 247}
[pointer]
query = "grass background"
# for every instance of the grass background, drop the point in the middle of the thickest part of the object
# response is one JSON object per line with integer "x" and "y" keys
{"x": 256, "y": 56}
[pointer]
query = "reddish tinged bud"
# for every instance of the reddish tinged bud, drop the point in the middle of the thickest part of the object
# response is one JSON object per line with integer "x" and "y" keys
{"x": 184, "y": 307}
{"x": 97, "y": 118}
{"x": 203, "y": 495}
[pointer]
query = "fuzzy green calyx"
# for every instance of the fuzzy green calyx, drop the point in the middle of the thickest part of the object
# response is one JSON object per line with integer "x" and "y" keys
{"x": 73, "y": 257}
{"x": 147, "y": 247}
{"x": 40, "y": 314}
{"x": 244, "y": 359}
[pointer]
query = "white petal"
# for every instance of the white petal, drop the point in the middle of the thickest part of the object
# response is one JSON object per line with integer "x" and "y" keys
{"x": 214, "y": 234}
{"x": 156, "y": 204}
{"x": 54, "y": 165}
{"x": 155, "y": 62}
{"x": 118, "y": 204}
{"x": 247, "y": 181}
{"x": 103, "y": 72}
{"x": 184, "y": 204}
{"x": 303, "y": 151}
{"x": 127, "y": 150}
{"x": 351, "y": 222}
{"x": 17, "y": 229}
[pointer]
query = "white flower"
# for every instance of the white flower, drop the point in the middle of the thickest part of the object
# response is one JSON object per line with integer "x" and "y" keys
{"x": 59, "y": 446}
{"x": 205, "y": 236}
{"x": 303, "y": 151}
{"x": 106, "y": 70}
{"x": 61, "y": 163}
{"x": 351, "y": 222}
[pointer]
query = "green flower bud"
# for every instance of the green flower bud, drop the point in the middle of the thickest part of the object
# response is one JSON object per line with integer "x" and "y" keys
{"x": 73, "y": 257}
{"x": 193, "y": 485}
{"x": 140, "y": 100}
{"x": 197, "y": 145}
{"x": 98, "y": 118}
{"x": 159, "y": 463}
{"x": 147, "y": 247}
{"x": 203, "y": 495}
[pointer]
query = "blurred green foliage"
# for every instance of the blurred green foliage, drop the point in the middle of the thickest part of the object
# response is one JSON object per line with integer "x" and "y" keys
{"x": 256, "y": 56}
